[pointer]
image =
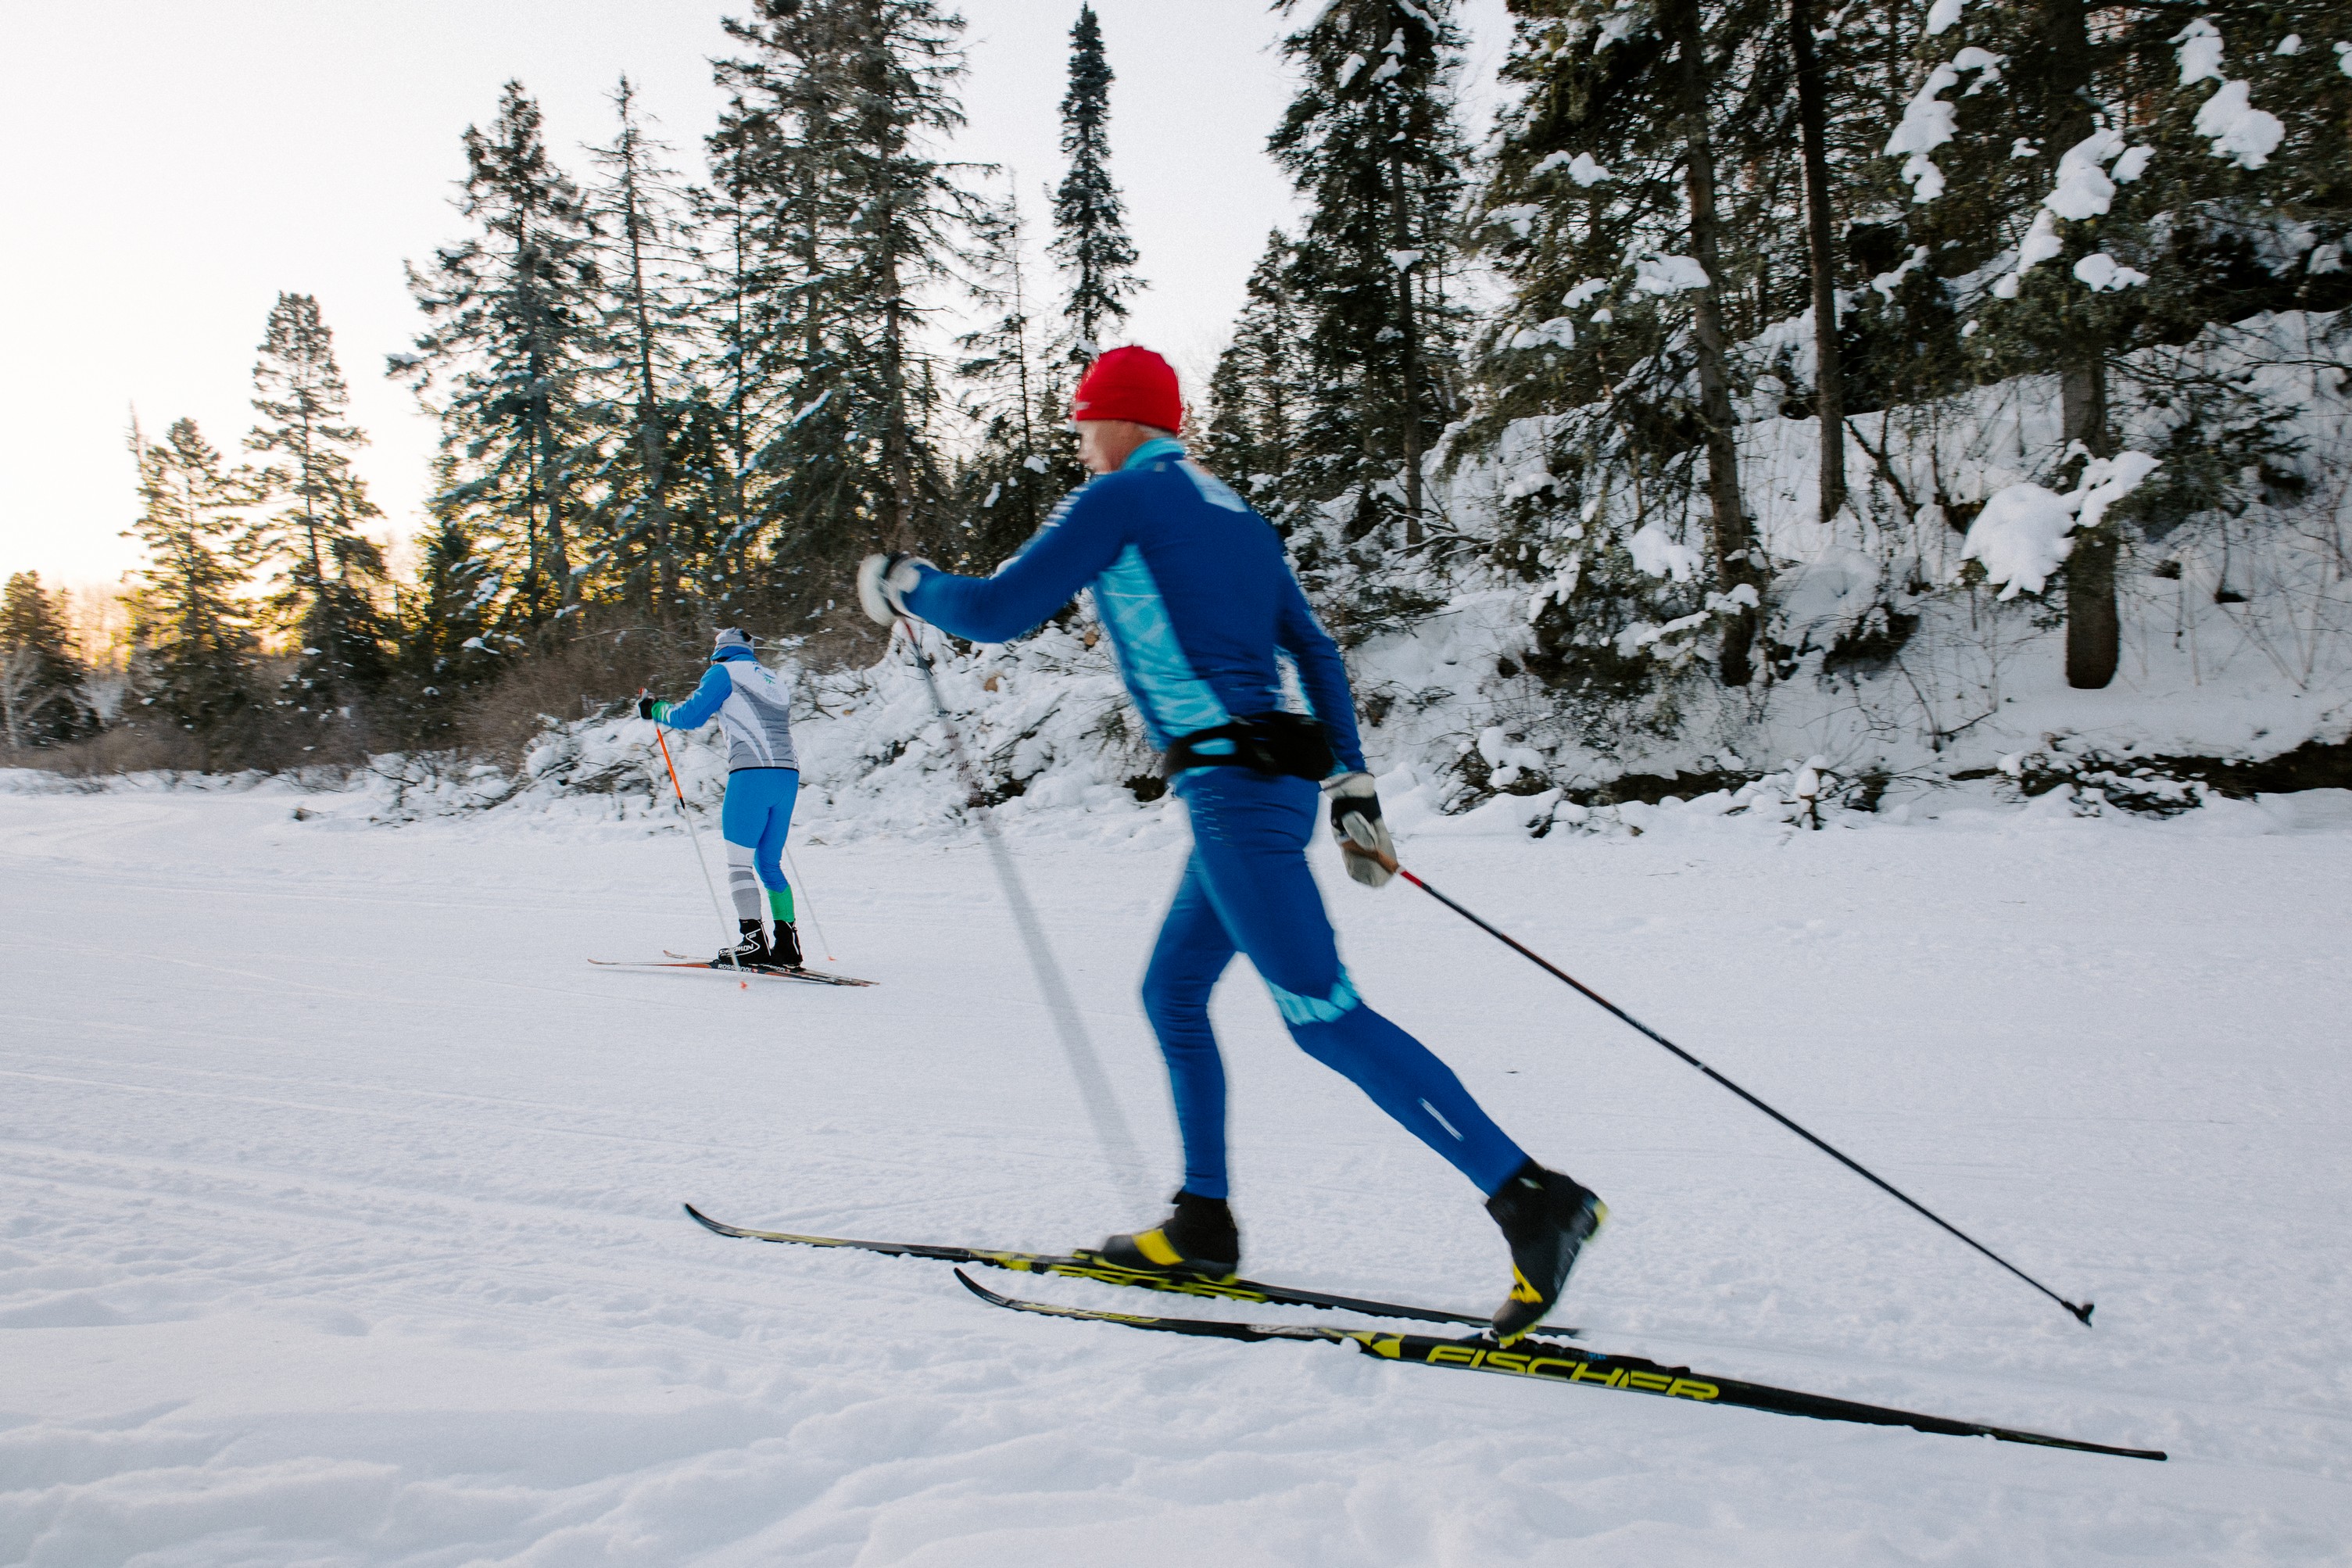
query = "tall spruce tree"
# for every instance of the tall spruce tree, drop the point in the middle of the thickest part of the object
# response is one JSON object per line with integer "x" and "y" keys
{"x": 1606, "y": 214}
{"x": 1372, "y": 145}
{"x": 637, "y": 215}
{"x": 2087, "y": 193}
{"x": 1090, "y": 238}
{"x": 1256, "y": 394}
{"x": 195, "y": 657}
{"x": 328, "y": 571}
{"x": 44, "y": 684}
{"x": 1024, "y": 455}
{"x": 445, "y": 626}
{"x": 838, "y": 106}
{"x": 515, "y": 334}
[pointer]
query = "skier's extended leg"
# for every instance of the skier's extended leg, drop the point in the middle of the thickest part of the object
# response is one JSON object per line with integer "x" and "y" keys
{"x": 1250, "y": 834}
{"x": 741, "y": 816}
{"x": 782, "y": 791}
{"x": 1193, "y": 951}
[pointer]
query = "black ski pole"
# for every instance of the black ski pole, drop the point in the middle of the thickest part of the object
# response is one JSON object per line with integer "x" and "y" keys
{"x": 1085, "y": 1066}
{"x": 2082, "y": 1312}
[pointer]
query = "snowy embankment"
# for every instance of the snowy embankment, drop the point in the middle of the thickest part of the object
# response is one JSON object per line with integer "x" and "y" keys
{"x": 339, "y": 1222}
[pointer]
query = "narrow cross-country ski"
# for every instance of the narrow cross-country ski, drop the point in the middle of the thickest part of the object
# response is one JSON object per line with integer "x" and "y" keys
{"x": 1548, "y": 1358}
{"x": 1091, "y": 1266}
{"x": 790, "y": 971}
{"x": 746, "y": 972}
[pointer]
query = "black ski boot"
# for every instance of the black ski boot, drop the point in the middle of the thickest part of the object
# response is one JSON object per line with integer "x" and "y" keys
{"x": 751, "y": 953}
{"x": 1546, "y": 1218}
{"x": 785, "y": 951}
{"x": 1198, "y": 1238}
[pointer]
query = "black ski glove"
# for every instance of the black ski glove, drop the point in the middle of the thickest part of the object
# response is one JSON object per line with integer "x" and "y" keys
{"x": 646, "y": 706}
{"x": 1365, "y": 847}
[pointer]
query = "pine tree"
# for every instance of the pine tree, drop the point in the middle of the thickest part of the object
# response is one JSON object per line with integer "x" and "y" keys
{"x": 446, "y": 626}
{"x": 1606, "y": 215}
{"x": 515, "y": 334}
{"x": 195, "y": 664}
{"x": 839, "y": 105}
{"x": 2083, "y": 173}
{"x": 1090, "y": 238}
{"x": 1025, "y": 455}
{"x": 635, "y": 212}
{"x": 1256, "y": 394}
{"x": 328, "y": 571}
{"x": 1371, "y": 143}
{"x": 756, "y": 324}
{"x": 44, "y": 684}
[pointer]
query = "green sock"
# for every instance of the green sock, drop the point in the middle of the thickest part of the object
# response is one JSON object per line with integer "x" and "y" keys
{"x": 780, "y": 905}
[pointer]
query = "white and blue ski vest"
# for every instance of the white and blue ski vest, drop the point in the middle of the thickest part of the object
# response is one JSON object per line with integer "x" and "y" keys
{"x": 752, "y": 704}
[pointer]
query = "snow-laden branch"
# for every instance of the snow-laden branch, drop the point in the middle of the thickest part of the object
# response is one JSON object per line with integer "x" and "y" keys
{"x": 2084, "y": 189}
{"x": 2026, "y": 531}
{"x": 1928, "y": 121}
{"x": 2238, "y": 131}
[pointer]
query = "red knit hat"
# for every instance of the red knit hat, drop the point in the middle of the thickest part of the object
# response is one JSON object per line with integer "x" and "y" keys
{"x": 1130, "y": 384}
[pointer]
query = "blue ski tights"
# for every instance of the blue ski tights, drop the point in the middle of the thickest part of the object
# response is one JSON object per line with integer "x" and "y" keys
{"x": 753, "y": 819}
{"x": 1247, "y": 889}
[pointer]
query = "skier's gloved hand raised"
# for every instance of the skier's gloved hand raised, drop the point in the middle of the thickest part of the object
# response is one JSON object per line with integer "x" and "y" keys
{"x": 1365, "y": 847}
{"x": 883, "y": 580}
{"x": 645, "y": 705}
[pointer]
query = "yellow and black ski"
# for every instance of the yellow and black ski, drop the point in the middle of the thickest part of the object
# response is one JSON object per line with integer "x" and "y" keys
{"x": 1554, "y": 1360}
{"x": 1092, "y": 1266}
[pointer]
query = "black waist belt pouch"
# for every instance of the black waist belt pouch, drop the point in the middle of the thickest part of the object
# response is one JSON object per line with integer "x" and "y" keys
{"x": 1289, "y": 745}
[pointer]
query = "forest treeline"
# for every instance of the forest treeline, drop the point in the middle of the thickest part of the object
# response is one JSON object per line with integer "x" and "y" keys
{"x": 670, "y": 401}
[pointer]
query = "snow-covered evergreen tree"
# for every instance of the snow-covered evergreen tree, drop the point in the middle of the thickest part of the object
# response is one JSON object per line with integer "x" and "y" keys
{"x": 1257, "y": 392}
{"x": 329, "y": 573}
{"x": 1090, "y": 238}
{"x": 639, "y": 217}
{"x": 44, "y": 683}
{"x": 196, "y": 657}
{"x": 1024, "y": 457}
{"x": 831, "y": 145}
{"x": 2087, "y": 193}
{"x": 1371, "y": 142}
{"x": 1606, "y": 215}
{"x": 445, "y": 636}
{"x": 515, "y": 335}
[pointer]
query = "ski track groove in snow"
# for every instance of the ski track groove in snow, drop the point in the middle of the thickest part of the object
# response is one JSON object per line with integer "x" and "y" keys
{"x": 330, "y": 1234}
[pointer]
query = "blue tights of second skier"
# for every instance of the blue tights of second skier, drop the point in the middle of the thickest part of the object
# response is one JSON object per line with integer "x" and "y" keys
{"x": 753, "y": 707}
{"x": 1202, "y": 607}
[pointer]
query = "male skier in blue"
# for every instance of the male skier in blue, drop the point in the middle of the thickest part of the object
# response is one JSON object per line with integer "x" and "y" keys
{"x": 753, "y": 706}
{"x": 1194, "y": 590}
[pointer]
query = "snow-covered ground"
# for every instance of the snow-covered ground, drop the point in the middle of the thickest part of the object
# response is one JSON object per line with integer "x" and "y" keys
{"x": 338, "y": 1203}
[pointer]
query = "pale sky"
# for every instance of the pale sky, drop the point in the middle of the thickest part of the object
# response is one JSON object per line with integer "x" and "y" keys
{"x": 173, "y": 165}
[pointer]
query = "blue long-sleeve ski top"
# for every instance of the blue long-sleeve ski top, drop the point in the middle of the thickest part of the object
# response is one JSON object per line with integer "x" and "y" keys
{"x": 1192, "y": 586}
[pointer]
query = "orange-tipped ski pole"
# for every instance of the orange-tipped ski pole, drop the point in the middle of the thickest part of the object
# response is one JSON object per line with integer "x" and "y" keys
{"x": 694, "y": 834}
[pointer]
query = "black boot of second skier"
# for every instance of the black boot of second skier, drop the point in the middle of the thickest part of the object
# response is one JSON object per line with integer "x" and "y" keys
{"x": 750, "y": 951}
{"x": 1546, "y": 1218}
{"x": 1200, "y": 1238}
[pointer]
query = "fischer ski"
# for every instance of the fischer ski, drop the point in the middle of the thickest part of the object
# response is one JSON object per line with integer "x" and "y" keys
{"x": 1552, "y": 1361}
{"x": 746, "y": 972}
{"x": 1091, "y": 1266}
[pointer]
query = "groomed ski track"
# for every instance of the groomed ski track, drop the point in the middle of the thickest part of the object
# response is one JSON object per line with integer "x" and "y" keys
{"x": 337, "y": 1224}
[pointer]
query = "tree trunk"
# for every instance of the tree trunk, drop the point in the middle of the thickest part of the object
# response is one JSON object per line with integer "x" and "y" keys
{"x": 2093, "y": 626}
{"x": 898, "y": 440}
{"x": 1408, "y": 357}
{"x": 1828, "y": 374}
{"x": 1734, "y": 539}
